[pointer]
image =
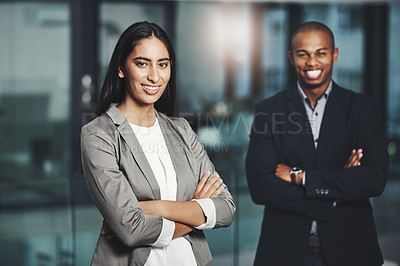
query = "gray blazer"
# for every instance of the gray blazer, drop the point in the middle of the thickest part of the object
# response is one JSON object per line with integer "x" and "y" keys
{"x": 118, "y": 175}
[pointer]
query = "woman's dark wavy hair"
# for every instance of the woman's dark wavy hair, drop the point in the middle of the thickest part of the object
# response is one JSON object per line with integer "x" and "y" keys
{"x": 113, "y": 90}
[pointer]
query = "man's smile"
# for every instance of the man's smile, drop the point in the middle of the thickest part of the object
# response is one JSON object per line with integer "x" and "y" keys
{"x": 313, "y": 74}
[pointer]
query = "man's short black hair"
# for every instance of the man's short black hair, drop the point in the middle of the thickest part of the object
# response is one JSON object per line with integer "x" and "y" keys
{"x": 312, "y": 25}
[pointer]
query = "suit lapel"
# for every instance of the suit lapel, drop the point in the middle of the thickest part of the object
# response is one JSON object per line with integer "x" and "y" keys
{"x": 332, "y": 115}
{"x": 128, "y": 135}
{"x": 295, "y": 106}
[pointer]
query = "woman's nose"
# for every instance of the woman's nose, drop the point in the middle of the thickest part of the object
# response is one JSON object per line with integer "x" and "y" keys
{"x": 153, "y": 75}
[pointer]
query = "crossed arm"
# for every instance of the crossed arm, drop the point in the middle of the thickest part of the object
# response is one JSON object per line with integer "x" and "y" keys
{"x": 185, "y": 214}
{"x": 283, "y": 171}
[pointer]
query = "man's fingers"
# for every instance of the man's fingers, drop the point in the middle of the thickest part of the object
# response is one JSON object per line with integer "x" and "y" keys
{"x": 357, "y": 157}
{"x": 354, "y": 158}
{"x": 350, "y": 159}
{"x": 357, "y": 161}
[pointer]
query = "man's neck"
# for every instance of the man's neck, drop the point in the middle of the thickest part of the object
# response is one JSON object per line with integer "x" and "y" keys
{"x": 314, "y": 94}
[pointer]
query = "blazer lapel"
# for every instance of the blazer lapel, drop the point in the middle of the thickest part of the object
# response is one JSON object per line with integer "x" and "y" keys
{"x": 128, "y": 135}
{"x": 332, "y": 115}
{"x": 179, "y": 158}
{"x": 295, "y": 106}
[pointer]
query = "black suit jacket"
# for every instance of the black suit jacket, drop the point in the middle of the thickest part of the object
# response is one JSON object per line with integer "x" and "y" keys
{"x": 281, "y": 133}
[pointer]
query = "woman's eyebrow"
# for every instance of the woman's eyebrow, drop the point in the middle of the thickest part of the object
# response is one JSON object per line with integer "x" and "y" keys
{"x": 141, "y": 58}
{"x": 147, "y": 59}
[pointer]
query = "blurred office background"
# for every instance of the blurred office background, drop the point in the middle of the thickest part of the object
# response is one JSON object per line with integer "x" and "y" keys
{"x": 53, "y": 56}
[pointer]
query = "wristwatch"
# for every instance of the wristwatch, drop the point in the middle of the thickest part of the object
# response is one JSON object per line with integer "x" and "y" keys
{"x": 293, "y": 173}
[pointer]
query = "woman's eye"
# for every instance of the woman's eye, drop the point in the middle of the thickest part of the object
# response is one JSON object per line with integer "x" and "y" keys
{"x": 163, "y": 65}
{"x": 141, "y": 64}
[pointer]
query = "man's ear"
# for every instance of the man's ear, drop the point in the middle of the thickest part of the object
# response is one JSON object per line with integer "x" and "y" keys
{"x": 290, "y": 55}
{"x": 120, "y": 72}
{"x": 335, "y": 55}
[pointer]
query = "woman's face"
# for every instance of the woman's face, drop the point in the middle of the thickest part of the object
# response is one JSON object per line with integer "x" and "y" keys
{"x": 146, "y": 72}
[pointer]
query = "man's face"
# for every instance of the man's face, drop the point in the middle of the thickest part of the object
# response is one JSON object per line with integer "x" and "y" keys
{"x": 313, "y": 56}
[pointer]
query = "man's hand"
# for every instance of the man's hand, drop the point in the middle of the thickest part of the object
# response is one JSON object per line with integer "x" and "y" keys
{"x": 209, "y": 189}
{"x": 283, "y": 172}
{"x": 354, "y": 159}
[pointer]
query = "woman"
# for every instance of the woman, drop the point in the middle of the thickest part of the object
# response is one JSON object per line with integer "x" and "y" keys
{"x": 148, "y": 174}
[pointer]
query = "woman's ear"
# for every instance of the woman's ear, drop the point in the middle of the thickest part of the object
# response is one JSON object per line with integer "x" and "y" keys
{"x": 120, "y": 72}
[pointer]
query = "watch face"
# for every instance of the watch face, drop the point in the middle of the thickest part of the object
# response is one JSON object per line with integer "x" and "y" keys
{"x": 296, "y": 169}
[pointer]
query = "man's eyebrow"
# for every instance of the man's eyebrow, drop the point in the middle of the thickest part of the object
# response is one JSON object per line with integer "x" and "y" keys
{"x": 301, "y": 50}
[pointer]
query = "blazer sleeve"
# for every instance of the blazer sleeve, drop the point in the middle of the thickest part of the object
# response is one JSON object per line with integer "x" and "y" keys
{"x": 266, "y": 188}
{"x": 112, "y": 193}
{"x": 224, "y": 205}
{"x": 361, "y": 182}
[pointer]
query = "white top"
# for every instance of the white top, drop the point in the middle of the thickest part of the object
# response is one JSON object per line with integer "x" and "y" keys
{"x": 167, "y": 251}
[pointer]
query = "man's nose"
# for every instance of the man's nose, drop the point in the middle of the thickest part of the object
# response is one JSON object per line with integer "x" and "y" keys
{"x": 312, "y": 60}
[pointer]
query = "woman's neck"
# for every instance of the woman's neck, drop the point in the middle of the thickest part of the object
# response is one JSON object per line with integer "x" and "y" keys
{"x": 144, "y": 116}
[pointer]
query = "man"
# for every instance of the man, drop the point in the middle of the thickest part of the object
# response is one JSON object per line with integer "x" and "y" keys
{"x": 316, "y": 155}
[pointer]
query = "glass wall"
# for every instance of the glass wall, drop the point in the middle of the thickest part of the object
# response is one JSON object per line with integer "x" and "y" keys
{"x": 274, "y": 50}
{"x": 220, "y": 58}
{"x": 34, "y": 128}
{"x": 387, "y": 210}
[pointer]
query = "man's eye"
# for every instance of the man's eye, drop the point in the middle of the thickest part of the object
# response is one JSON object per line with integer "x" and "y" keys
{"x": 301, "y": 55}
{"x": 321, "y": 54}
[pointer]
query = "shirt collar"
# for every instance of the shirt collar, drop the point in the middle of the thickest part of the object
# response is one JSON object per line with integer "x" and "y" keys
{"x": 304, "y": 96}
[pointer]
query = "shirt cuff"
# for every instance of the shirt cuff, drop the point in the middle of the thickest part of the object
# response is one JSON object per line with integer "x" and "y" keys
{"x": 208, "y": 207}
{"x": 167, "y": 232}
{"x": 303, "y": 181}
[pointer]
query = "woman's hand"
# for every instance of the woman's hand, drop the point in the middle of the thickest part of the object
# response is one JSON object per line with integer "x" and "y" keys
{"x": 209, "y": 188}
{"x": 175, "y": 210}
{"x": 105, "y": 231}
